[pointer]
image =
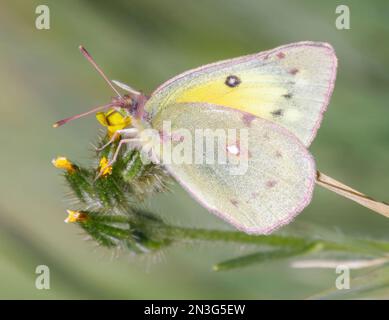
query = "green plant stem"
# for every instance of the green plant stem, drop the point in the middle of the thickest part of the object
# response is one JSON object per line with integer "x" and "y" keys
{"x": 369, "y": 247}
{"x": 233, "y": 236}
{"x": 264, "y": 256}
{"x": 181, "y": 234}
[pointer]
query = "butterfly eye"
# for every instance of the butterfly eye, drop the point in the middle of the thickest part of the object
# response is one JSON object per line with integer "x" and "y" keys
{"x": 232, "y": 81}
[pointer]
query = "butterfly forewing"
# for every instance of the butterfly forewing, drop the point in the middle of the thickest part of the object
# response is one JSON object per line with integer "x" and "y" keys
{"x": 290, "y": 85}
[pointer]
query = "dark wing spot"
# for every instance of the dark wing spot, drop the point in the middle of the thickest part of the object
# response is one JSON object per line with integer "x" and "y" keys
{"x": 293, "y": 71}
{"x": 247, "y": 119}
{"x": 277, "y": 113}
{"x": 232, "y": 81}
{"x": 271, "y": 183}
{"x": 234, "y": 202}
{"x": 278, "y": 154}
{"x": 177, "y": 137}
{"x": 280, "y": 55}
{"x": 287, "y": 96}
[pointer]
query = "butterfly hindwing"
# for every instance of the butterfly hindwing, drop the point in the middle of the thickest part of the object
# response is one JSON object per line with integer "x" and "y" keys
{"x": 274, "y": 186}
{"x": 290, "y": 85}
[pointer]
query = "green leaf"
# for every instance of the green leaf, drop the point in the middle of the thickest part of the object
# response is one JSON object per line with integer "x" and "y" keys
{"x": 261, "y": 257}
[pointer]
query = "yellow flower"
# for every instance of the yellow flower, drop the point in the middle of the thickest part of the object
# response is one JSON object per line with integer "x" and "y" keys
{"x": 113, "y": 120}
{"x": 104, "y": 168}
{"x": 75, "y": 216}
{"x": 63, "y": 163}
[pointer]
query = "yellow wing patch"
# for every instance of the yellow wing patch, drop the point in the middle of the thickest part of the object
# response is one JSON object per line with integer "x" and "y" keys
{"x": 254, "y": 94}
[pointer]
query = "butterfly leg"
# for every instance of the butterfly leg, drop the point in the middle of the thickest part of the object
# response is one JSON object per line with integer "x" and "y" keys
{"x": 125, "y": 132}
{"x": 116, "y": 154}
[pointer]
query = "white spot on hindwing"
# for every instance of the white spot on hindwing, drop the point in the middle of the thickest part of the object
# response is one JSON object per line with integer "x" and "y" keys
{"x": 233, "y": 149}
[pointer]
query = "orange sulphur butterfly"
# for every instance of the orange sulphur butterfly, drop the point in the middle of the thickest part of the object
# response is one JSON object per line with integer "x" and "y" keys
{"x": 278, "y": 97}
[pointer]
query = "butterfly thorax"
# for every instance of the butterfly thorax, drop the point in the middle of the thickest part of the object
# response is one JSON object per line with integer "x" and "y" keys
{"x": 134, "y": 104}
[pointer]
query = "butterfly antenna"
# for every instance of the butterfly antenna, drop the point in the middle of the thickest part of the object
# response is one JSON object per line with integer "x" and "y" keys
{"x": 87, "y": 55}
{"x": 66, "y": 120}
{"x": 126, "y": 87}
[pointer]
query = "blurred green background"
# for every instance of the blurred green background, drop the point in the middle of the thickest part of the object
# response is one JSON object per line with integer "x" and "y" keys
{"x": 44, "y": 78}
